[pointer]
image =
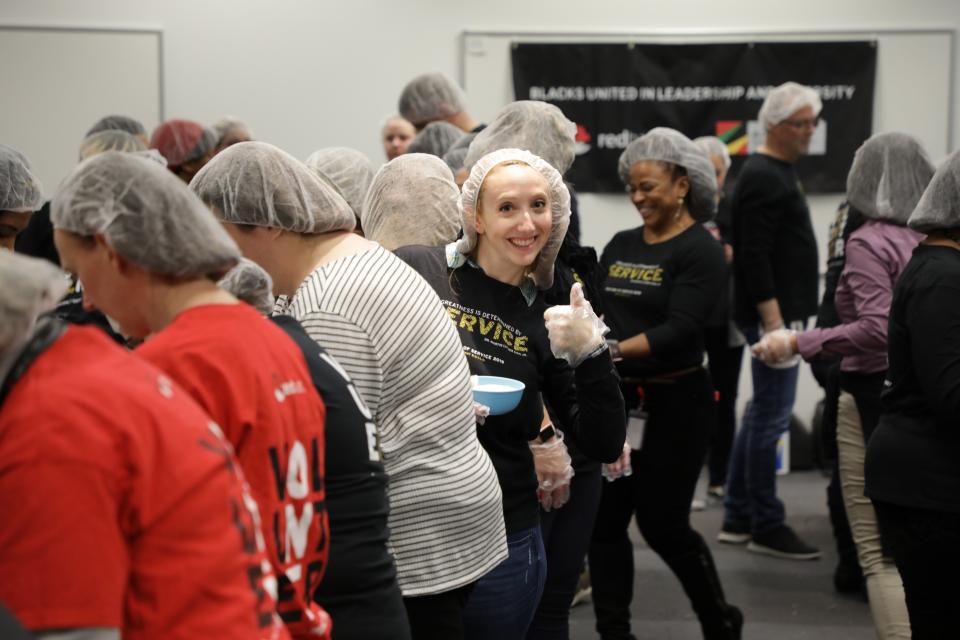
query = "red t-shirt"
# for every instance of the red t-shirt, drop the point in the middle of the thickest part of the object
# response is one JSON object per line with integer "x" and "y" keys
{"x": 253, "y": 381}
{"x": 121, "y": 503}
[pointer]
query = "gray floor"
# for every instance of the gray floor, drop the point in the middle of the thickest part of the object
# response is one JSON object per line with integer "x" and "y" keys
{"x": 781, "y": 599}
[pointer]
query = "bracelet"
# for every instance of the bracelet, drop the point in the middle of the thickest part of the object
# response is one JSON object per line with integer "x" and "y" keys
{"x": 600, "y": 349}
{"x": 614, "y": 346}
{"x": 547, "y": 434}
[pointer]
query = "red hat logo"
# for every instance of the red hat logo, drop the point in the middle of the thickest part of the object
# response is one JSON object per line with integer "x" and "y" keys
{"x": 582, "y": 140}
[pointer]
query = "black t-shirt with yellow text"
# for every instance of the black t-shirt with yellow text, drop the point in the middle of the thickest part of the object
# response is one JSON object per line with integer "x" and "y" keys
{"x": 502, "y": 335}
{"x": 665, "y": 290}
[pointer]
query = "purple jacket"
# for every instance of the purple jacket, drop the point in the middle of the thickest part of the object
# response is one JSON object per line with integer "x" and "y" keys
{"x": 876, "y": 253}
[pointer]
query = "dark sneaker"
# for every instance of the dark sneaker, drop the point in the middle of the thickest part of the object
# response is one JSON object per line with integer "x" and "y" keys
{"x": 732, "y": 534}
{"x": 728, "y": 627}
{"x": 783, "y": 543}
{"x": 848, "y": 577}
{"x": 733, "y": 621}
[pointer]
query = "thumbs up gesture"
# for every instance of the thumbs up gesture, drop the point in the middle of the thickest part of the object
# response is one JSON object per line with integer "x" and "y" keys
{"x": 575, "y": 330}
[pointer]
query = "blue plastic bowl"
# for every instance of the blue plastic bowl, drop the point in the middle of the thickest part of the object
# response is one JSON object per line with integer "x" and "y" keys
{"x": 503, "y": 399}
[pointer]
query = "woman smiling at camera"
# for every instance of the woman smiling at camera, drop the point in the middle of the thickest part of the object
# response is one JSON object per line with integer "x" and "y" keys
{"x": 515, "y": 212}
{"x": 663, "y": 281}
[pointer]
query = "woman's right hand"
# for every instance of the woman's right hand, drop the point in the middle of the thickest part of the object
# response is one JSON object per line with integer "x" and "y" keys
{"x": 481, "y": 412}
{"x": 777, "y": 347}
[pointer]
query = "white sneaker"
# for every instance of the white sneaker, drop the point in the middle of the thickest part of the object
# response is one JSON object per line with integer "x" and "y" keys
{"x": 733, "y": 537}
{"x": 582, "y": 596}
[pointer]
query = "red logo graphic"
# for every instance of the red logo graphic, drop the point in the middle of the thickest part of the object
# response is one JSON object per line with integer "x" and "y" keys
{"x": 582, "y": 134}
{"x": 582, "y": 140}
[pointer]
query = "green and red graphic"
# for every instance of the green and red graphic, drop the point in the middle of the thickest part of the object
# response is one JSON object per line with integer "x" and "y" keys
{"x": 734, "y": 135}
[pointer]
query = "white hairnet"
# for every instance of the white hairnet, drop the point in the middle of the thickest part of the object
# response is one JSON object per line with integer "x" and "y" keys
{"x": 256, "y": 183}
{"x": 714, "y": 147}
{"x": 939, "y": 206}
{"x": 152, "y": 155}
{"x": 412, "y": 200}
{"x": 250, "y": 283}
{"x": 110, "y": 140}
{"x": 348, "y": 170}
{"x": 30, "y": 287}
{"x": 429, "y": 97}
{"x": 669, "y": 145}
{"x": 119, "y": 123}
{"x": 436, "y": 138}
{"x": 146, "y": 214}
{"x": 226, "y": 124}
{"x": 456, "y": 155}
{"x": 783, "y": 101}
{"x": 20, "y": 189}
{"x": 559, "y": 207}
{"x": 533, "y": 126}
{"x": 888, "y": 176}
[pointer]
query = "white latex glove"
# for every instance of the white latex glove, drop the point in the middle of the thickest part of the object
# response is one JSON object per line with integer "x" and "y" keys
{"x": 554, "y": 471}
{"x": 555, "y": 499}
{"x": 480, "y": 412}
{"x": 619, "y": 469}
{"x": 575, "y": 330}
{"x": 775, "y": 349}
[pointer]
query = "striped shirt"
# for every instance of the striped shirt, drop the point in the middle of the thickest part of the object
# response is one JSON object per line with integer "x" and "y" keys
{"x": 388, "y": 329}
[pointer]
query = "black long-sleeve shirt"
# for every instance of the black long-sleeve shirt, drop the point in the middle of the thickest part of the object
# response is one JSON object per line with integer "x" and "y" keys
{"x": 503, "y": 335}
{"x": 913, "y": 458}
{"x": 359, "y": 588}
{"x": 576, "y": 263}
{"x": 774, "y": 247}
{"x": 665, "y": 290}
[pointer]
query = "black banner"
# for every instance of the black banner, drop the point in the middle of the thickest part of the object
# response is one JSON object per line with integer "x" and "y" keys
{"x": 615, "y": 92}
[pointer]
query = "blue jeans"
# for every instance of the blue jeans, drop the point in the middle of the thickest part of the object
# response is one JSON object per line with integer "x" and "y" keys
{"x": 504, "y": 601}
{"x": 566, "y": 537}
{"x": 751, "y": 503}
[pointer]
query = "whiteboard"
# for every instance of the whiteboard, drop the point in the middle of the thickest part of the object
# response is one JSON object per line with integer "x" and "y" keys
{"x": 56, "y": 83}
{"x": 914, "y": 88}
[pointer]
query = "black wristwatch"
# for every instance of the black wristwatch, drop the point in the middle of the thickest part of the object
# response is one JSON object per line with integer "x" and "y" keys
{"x": 547, "y": 434}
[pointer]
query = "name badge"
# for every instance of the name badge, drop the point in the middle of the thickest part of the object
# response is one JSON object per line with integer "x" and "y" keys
{"x": 636, "y": 425}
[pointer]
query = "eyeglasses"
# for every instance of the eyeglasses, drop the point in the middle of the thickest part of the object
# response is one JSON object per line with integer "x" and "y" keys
{"x": 802, "y": 124}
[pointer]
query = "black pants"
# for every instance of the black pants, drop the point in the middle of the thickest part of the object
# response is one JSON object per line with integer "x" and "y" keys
{"x": 438, "y": 616}
{"x": 658, "y": 494}
{"x": 846, "y": 549}
{"x": 566, "y": 538}
{"x": 725, "y": 364}
{"x": 926, "y": 547}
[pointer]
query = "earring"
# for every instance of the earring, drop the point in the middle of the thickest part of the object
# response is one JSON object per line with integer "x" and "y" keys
{"x": 679, "y": 207}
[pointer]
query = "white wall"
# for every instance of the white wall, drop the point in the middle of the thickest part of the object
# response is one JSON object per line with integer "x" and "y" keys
{"x": 313, "y": 73}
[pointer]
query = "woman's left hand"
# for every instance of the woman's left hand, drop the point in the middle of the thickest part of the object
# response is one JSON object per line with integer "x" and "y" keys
{"x": 621, "y": 468}
{"x": 575, "y": 330}
{"x": 554, "y": 471}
